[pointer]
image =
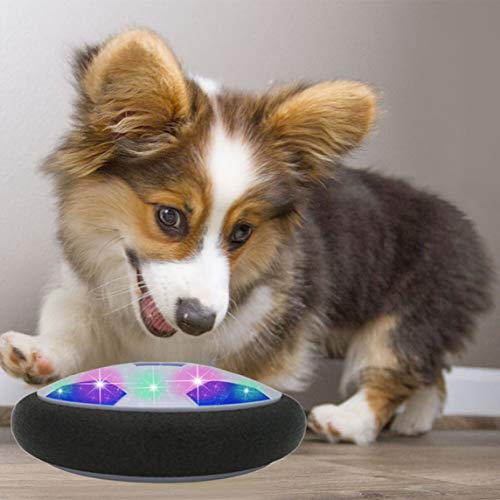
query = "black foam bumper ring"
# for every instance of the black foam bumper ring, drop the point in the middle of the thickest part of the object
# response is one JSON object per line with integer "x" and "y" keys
{"x": 158, "y": 446}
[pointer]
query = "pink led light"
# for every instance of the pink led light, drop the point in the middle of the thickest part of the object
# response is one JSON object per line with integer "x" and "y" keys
{"x": 103, "y": 375}
{"x": 190, "y": 377}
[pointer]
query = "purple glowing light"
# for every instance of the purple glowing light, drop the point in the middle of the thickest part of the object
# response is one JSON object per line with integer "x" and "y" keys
{"x": 216, "y": 393}
{"x": 98, "y": 393}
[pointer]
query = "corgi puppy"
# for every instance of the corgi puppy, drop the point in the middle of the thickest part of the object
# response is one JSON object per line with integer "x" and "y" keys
{"x": 207, "y": 225}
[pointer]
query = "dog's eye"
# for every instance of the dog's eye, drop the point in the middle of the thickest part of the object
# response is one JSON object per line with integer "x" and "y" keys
{"x": 241, "y": 233}
{"x": 171, "y": 220}
{"x": 169, "y": 216}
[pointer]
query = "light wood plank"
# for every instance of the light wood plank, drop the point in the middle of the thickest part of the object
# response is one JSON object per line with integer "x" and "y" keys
{"x": 460, "y": 464}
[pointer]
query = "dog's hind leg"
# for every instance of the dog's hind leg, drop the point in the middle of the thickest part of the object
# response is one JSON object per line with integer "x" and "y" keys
{"x": 420, "y": 410}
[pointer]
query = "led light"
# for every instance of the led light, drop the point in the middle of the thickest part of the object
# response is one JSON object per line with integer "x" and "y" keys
{"x": 89, "y": 393}
{"x": 148, "y": 384}
{"x": 217, "y": 393}
{"x": 99, "y": 384}
{"x": 192, "y": 376}
{"x": 108, "y": 375}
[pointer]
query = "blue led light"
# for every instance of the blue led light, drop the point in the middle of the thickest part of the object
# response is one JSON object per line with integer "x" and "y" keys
{"x": 216, "y": 393}
{"x": 92, "y": 392}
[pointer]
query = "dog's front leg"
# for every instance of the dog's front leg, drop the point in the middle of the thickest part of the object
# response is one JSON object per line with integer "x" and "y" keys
{"x": 385, "y": 379}
{"x": 63, "y": 345}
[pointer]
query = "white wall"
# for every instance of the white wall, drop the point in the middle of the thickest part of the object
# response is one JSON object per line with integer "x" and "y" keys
{"x": 436, "y": 63}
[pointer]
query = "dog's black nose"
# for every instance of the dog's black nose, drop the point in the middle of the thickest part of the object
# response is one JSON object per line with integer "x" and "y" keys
{"x": 194, "y": 318}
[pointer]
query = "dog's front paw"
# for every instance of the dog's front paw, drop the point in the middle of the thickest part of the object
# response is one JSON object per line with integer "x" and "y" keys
{"x": 341, "y": 423}
{"x": 21, "y": 356}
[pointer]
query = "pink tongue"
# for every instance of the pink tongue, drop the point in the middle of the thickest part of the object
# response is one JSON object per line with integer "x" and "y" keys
{"x": 153, "y": 316}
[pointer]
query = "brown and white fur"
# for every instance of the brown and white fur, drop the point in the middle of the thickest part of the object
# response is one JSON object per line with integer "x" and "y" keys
{"x": 174, "y": 192}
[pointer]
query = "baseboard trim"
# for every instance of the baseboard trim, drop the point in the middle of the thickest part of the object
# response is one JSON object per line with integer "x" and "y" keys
{"x": 471, "y": 391}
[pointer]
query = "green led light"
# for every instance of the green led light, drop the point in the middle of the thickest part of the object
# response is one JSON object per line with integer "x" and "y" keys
{"x": 252, "y": 384}
{"x": 58, "y": 384}
{"x": 147, "y": 384}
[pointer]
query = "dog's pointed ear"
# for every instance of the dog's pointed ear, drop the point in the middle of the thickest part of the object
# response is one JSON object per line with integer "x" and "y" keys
{"x": 132, "y": 89}
{"x": 315, "y": 125}
{"x": 135, "y": 80}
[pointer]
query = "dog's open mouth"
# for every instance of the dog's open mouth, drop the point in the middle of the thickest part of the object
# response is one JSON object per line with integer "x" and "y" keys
{"x": 150, "y": 314}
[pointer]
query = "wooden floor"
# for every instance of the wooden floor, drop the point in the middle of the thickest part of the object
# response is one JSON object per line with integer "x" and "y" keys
{"x": 455, "y": 464}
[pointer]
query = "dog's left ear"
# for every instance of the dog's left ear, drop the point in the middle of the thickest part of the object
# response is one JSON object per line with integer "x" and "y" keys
{"x": 317, "y": 124}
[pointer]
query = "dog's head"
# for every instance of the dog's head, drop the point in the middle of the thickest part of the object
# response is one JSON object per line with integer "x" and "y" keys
{"x": 194, "y": 189}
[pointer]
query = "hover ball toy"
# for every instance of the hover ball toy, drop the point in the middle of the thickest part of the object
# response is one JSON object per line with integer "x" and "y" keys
{"x": 158, "y": 422}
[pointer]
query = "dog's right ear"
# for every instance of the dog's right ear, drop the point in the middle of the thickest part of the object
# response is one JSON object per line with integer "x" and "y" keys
{"x": 132, "y": 90}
